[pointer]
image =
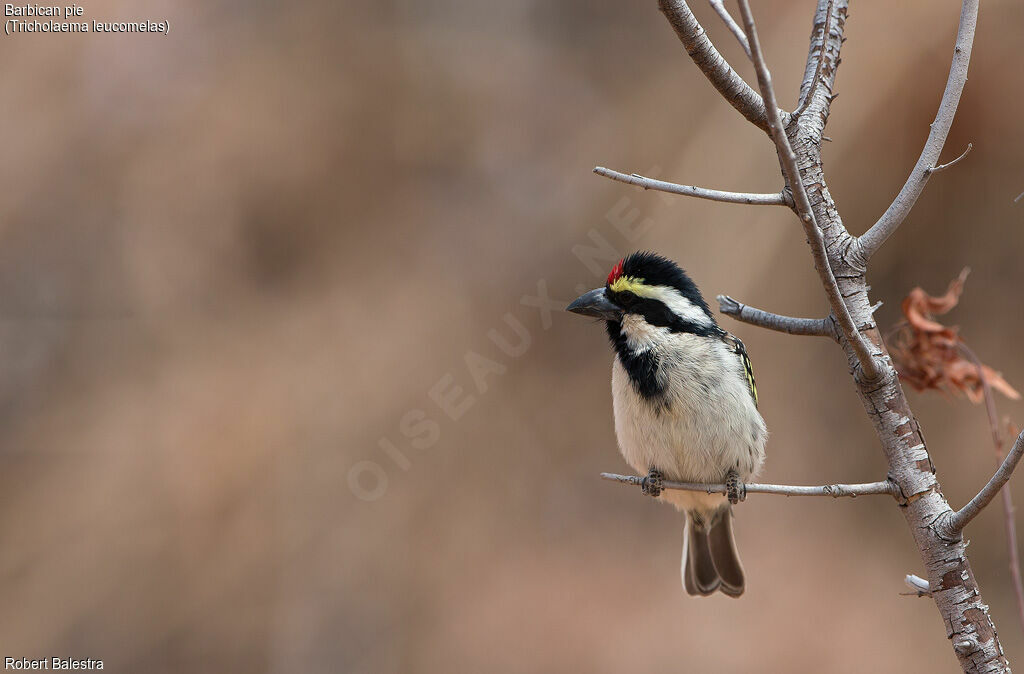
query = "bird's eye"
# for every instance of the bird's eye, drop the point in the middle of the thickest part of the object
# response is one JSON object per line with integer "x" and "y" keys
{"x": 625, "y": 299}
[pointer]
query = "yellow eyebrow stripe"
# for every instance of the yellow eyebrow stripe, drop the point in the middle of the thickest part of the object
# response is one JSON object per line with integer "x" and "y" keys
{"x": 633, "y": 285}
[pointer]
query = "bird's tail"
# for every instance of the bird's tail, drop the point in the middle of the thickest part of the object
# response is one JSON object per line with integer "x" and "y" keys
{"x": 710, "y": 561}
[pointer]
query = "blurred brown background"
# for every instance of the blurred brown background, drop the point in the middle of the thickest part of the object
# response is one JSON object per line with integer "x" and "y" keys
{"x": 236, "y": 258}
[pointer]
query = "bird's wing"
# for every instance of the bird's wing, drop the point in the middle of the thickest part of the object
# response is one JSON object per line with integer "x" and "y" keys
{"x": 748, "y": 367}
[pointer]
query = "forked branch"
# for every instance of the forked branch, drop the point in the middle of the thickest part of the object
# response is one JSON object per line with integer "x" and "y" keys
{"x": 1009, "y": 523}
{"x": 727, "y": 81}
{"x": 861, "y": 347}
{"x": 961, "y": 518}
{"x": 730, "y": 22}
{"x": 869, "y": 243}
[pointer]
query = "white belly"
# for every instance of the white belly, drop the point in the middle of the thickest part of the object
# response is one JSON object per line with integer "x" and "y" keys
{"x": 711, "y": 424}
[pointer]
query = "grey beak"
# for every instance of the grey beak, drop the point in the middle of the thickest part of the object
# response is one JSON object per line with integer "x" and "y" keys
{"x": 596, "y": 304}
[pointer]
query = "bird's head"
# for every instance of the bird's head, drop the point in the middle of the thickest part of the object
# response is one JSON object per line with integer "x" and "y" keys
{"x": 647, "y": 287}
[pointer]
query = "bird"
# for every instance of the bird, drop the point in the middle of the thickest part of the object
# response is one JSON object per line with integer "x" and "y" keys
{"x": 685, "y": 407}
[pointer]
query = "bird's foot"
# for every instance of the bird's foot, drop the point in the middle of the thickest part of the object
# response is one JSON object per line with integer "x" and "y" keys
{"x": 734, "y": 487}
{"x": 652, "y": 484}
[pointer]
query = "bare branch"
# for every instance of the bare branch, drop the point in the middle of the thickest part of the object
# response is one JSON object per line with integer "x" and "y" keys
{"x": 869, "y": 243}
{"x": 858, "y": 343}
{"x": 813, "y": 327}
{"x": 961, "y": 518}
{"x": 741, "y": 37}
{"x": 752, "y": 198}
{"x": 943, "y": 167}
{"x": 727, "y": 81}
{"x": 833, "y": 490}
{"x": 825, "y": 28}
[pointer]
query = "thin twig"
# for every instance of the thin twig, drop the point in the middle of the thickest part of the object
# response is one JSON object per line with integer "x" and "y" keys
{"x": 719, "y": 7}
{"x": 752, "y": 198}
{"x": 860, "y": 346}
{"x": 943, "y": 167}
{"x": 1009, "y": 521}
{"x": 869, "y": 243}
{"x": 961, "y": 518}
{"x": 727, "y": 81}
{"x": 825, "y": 28}
{"x": 833, "y": 490}
{"x": 812, "y": 327}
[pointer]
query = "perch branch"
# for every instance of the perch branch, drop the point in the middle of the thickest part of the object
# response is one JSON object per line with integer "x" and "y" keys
{"x": 869, "y": 243}
{"x": 961, "y": 518}
{"x": 752, "y": 198}
{"x": 814, "y": 327}
{"x": 833, "y": 490}
{"x": 825, "y": 28}
{"x": 869, "y": 367}
{"x": 727, "y": 81}
{"x": 726, "y": 17}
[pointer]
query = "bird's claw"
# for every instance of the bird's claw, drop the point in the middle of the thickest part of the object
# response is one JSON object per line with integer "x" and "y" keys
{"x": 734, "y": 487}
{"x": 652, "y": 484}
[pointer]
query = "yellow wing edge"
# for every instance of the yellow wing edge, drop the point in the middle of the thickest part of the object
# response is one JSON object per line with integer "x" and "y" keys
{"x": 748, "y": 367}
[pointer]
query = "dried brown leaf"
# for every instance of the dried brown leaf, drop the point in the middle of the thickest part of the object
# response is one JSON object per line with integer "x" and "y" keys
{"x": 928, "y": 353}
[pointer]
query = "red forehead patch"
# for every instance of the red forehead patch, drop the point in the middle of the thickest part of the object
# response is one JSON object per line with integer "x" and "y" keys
{"x": 616, "y": 272}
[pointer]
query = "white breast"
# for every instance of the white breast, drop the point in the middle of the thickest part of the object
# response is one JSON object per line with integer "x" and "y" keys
{"x": 708, "y": 425}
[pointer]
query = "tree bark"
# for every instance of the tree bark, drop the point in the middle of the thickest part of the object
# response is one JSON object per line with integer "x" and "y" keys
{"x": 952, "y": 583}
